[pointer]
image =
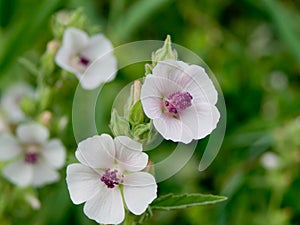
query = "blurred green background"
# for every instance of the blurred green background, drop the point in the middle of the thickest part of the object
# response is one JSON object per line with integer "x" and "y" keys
{"x": 252, "y": 47}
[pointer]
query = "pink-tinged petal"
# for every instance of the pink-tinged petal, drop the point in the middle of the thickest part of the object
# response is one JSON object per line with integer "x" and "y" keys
{"x": 9, "y": 147}
{"x": 83, "y": 182}
{"x": 43, "y": 174}
{"x": 201, "y": 119}
{"x": 139, "y": 191}
{"x": 96, "y": 151}
{"x": 19, "y": 173}
{"x": 97, "y": 46}
{"x": 153, "y": 91}
{"x": 106, "y": 207}
{"x": 170, "y": 69}
{"x": 196, "y": 81}
{"x": 32, "y": 133}
{"x": 102, "y": 70}
{"x": 173, "y": 129}
{"x": 73, "y": 42}
{"x": 156, "y": 86}
{"x": 129, "y": 154}
{"x": 55, "y": 153}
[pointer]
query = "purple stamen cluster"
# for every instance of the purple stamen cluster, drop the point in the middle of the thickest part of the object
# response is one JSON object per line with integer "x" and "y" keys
{"x": 31, "y": 157}
{"x": 110, "y": 178}
{"x": 178, "y": 101}
{"x": 84, "y": 60}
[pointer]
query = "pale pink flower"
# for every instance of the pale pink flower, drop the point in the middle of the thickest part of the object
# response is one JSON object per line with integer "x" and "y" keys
{"x": 35, "y": 159}
{"x": 90, "y": 58}
{"x": 180, "y": 99}
{"x": 110, "y": 172}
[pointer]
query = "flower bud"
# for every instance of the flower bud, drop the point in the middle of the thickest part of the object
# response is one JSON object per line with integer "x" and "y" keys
{"x": 118, "y": 125}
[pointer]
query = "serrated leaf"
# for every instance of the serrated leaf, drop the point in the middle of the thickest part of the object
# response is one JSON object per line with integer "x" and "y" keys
{"x": 171, "y": 201}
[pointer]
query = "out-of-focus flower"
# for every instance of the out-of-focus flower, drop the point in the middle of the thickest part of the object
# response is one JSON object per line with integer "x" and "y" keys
{"x": 3, "y": 125}
{"x": 107, "y": 167}
{"x": 90, "y": 58}
{"x": 11, "y": 99}
{"x": 180, "y": 99}
{"x": 270, "y": 160}
{"x": 36, "y": 158}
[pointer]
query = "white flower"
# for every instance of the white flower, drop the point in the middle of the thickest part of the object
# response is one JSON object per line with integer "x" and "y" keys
{"x": 270, "y": 160}
{"x": 36, "y": 158}
{"x": 10, "y": 102}
{"x": 3, "y": 125}
{"x": 89, "y": 58}
{"x": 107, "y": 167}
{"x": 180, "y": 99}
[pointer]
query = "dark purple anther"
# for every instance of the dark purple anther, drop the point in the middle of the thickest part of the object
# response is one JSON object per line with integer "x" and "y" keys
{"x": 84, "y": 60}
{"x": 178, "y": 101}
{"x": 110, "y": 178}
{"x": 31, "y": 158}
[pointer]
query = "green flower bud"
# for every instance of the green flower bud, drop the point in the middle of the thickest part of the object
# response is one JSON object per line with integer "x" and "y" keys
{"x": 166, "y": 52}
{"x": 118, "y": 125}
{"x": 45, "y": 97}
{"x": 136, "y": 115}
{"x": 28, "y": 105}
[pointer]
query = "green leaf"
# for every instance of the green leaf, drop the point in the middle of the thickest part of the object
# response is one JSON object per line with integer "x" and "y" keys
{"x": 171, "y": 201}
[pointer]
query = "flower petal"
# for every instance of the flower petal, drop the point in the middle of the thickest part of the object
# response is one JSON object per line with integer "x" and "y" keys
{"x": 11, "y": 101}
{"x": 201, "y": 119}
{"x": 199, "y": 85}
{"x": 102, "y": 70}
{"x": 73, "y": 42}
{"x": 83, "y": 182}
{"x": 43, "y": 174}
{"x": 9, "y": 147}
{"x": 96, "y": 151}
{"x": 153, "y": 91}
{"x": 139, "y": 191}
{"x": 129, "y": 154}
{"x": 97, "y": 46}
{"x": 32, "y": 133}
{"x": 173, "y": 129}
{"x": 55, "y": 153}
{"x": 170, "y": 69}
{"x": 19, "y": 173}
{"x": 106, "y": 207}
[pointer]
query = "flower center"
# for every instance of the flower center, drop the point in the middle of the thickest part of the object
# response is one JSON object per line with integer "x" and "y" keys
{"x": 84, "y": 60}
{"x": 31, "y": 157}
{"x": 111, "y": 178}
{"x": 31, "y": 153}
{"x": 177, "y": 102}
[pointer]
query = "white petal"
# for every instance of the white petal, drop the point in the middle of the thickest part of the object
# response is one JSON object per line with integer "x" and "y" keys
{"x": 173, "y": 129}
{"x": 96, "y": 151}
{"x": 199, "y": 85}
{"x": 129, "y": 154}
{"x": 106, "y": 207}
{"x": 9, "y": 147}
{"x": 139, "y": 191}
{"x": 55, "y": 153}
{"x": 83, "y": 182}
{"x": 11, "y": 101}
{"x": 32, "y": 133}
{"x": 102, "y": 70}
{"x": 153, "y": 91}
{"x": 97, "y": 46}
{"x": 43, "y": 174}
{"x": 170, "y": 69}
{"x": 19, "y": 173}
{"x": 201, "y": 119}
{"x": 74, "y": 40}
